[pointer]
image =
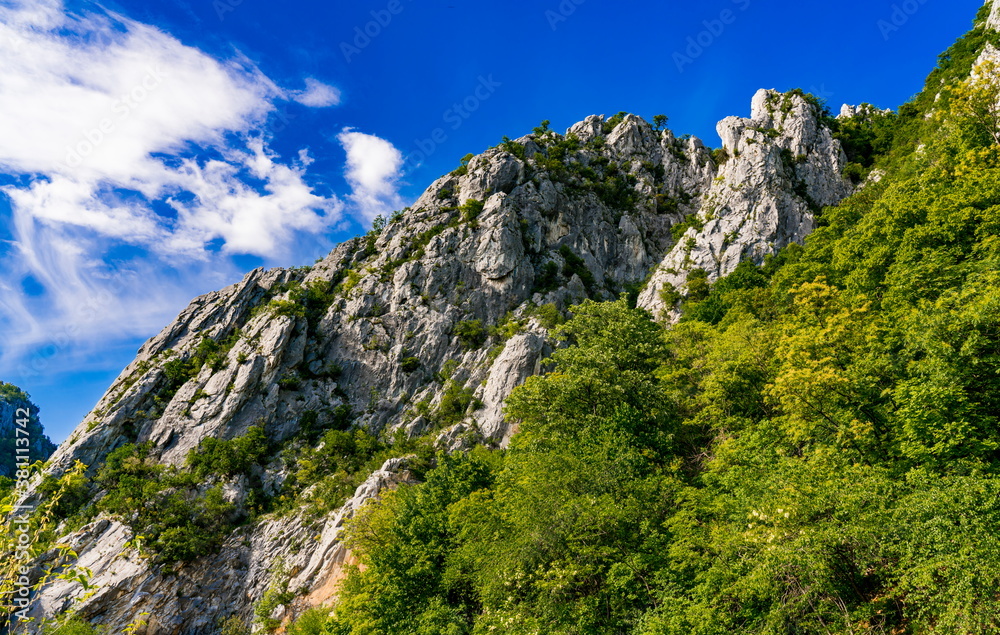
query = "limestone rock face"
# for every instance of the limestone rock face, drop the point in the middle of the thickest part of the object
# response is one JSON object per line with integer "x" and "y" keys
{"x": 994, "y": 19}
{"x": 452, "y": 285}
{"x": 521, "y": 358}
{"x": 129, "y": 412}
{"x": 192, "y": 598}
{"x": 782, "y": 166}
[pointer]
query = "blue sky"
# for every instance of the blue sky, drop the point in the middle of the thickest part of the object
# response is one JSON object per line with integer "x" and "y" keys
{"x": 153, "y": 151}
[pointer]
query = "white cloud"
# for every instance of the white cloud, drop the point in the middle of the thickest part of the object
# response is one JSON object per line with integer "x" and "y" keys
{"x": 96, "y": 107}
{"x": 317, "y": 94}
{"x": 247, "y": 221}
{"x": 98, "y": 114}
{"x": 373, "y": 171}
{"x": 142, "y": 168}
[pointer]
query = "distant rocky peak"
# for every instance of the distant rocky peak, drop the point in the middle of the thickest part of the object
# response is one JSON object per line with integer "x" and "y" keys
{"x": 19, "y": 420}
{"x": 791, "y": 120}
{"x": 847, "y": 111}
{"x": 777, "y": 170}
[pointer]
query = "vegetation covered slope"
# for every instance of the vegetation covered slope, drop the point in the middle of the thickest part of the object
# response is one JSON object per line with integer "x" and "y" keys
{"x": 815, "y": 448}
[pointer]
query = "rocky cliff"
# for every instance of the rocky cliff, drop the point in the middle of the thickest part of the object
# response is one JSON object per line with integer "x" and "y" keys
{"x": 14, "y": 402}
{"x": 451, "y": 303}
{"x": 780, "y": 167}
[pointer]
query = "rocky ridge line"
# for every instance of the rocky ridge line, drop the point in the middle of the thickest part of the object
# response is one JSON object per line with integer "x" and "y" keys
{"x": 782, "y": 167}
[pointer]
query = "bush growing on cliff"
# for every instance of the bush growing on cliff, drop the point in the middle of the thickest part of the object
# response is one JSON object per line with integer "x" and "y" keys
{"x": 311, "y": 622}
{"x": 613, "y": 122}
{"x": 574, "y": 265}
{"x": 548, "y": 278}
{"x": 463, "y": 169}
{"x": 471, "y": 333}
{"x": 471, "y": 209}
{"x": 229, "y": 457}
{"x": 180, "y": 516}
{"x": 73, "y": 626}
{"x": 690, "y": 221}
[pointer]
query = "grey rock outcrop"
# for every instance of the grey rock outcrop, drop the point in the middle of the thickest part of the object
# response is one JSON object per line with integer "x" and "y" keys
{"x": 994, "y": 19}
{"x": 521, "y": 358}
{"x": 783, "y": 166}
{"x": 134, "y": 408}
{"x": 847, "y": 111}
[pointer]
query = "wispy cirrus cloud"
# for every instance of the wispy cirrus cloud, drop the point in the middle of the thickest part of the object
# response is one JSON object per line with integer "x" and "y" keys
{"x": 137, "y": 168}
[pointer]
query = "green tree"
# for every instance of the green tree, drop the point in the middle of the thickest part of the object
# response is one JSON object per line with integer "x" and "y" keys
{"x": 976, "y": 103}
{"x": 413, "y": 581}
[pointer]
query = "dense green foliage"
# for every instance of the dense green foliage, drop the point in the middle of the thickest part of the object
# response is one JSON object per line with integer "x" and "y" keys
{"x": 209, "y": 352}
{"x": 813, "y": 449}
{"x": 471, "y": 333}
{"x": 865, "y": 137}
{"x": 175, "y": 515}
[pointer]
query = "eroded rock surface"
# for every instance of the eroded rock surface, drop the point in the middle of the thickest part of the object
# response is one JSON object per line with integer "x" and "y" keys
{"x": 781, "y": 166}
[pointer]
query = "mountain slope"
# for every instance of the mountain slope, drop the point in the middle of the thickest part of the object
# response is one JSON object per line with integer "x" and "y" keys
{"x": 226, "y": 460}
{"x": 814, "y": 448}
{"x": 409, "y": 338}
